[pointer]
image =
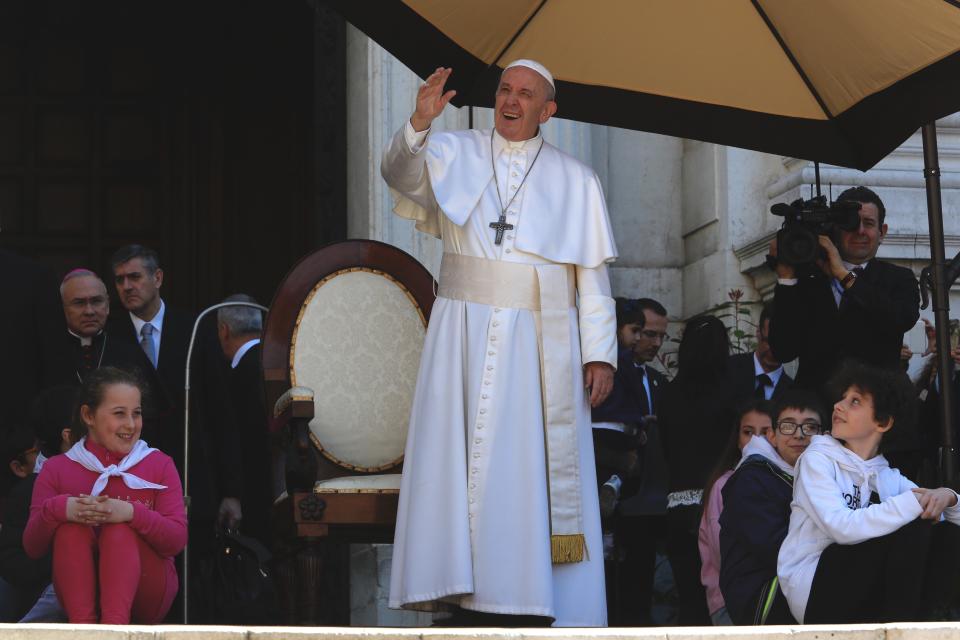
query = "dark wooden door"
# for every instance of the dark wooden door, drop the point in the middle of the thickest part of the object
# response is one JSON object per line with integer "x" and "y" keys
{"x": 191, "y": 127}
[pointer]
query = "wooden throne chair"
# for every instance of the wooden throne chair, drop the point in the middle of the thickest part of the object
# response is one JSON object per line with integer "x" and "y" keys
{"x": 341, "y": 351}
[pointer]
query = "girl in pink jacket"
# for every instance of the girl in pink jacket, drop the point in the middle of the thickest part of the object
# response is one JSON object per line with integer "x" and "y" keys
{"x": 755, "y": 418}
{"x": 112, "y": 509}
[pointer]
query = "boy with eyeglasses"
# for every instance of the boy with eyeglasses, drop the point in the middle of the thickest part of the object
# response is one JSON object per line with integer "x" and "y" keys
{"x": 756, "y": 513}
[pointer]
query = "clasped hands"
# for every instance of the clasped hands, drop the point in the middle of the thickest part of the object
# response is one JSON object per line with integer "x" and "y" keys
{"x": 934, "y": 501}
{"x": 97, "y": 510}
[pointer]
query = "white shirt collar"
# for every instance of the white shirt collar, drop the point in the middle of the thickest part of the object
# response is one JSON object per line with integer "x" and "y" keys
{"x": 758, "y": 369}
{"x": 86, "y": 342}
{"x": 242, "y": 351}
{"x": 849, "y": 266}
{"x": 156, "y": 321}
{"x": 500, "y": 143}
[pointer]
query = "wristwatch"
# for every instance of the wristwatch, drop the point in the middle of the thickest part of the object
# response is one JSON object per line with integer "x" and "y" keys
{"x": 848, "y": 279}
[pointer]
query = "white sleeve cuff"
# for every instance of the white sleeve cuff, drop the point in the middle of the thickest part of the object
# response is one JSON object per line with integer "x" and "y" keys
{"x": 414, "y": 139}
{"x": 598, "y": 329}
{"x": 787, "y": 282}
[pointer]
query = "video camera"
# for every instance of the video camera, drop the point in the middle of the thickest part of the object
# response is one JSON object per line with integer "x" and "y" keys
{"x": 804, "y": 220}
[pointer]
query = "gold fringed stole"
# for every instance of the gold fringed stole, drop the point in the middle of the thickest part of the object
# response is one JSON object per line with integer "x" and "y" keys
{"x": 567, "y": 548}
{"x": 549, "y": 291}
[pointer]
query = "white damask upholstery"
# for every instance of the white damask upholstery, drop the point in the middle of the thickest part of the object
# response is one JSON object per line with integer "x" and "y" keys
{"x": 385, "y": 483}
{"x": 357, "y": 346}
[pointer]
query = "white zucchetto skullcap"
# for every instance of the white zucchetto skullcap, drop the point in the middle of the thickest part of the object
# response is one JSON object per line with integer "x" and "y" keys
{"x": 536, "y": 66}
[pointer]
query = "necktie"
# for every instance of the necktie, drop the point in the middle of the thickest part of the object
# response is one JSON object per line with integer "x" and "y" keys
{"x": 763, "y": 381}
{"x": 146, "y": 343}
{"x": 642, "y": 392}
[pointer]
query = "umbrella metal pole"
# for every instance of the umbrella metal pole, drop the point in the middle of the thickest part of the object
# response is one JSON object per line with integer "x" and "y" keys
{"x": 941, "y": 304}
{"x": 186, "y": 442}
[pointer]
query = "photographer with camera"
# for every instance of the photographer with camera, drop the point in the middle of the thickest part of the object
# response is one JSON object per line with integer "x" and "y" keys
{"x": 835, "y": 300}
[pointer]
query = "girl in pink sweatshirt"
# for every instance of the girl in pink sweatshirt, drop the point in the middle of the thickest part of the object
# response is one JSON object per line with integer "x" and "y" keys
{"x": 755, "y": 418}
{"x": 112, "y": 509}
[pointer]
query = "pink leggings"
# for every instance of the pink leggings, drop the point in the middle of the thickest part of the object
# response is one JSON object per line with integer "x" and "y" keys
{"x": 134, "y": 581}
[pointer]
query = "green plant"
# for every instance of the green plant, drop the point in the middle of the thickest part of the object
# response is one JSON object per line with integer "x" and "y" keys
{"x": 736, "y": 313}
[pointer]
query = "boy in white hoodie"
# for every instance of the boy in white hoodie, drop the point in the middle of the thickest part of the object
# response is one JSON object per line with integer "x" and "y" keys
{"x": 860, "y": 532}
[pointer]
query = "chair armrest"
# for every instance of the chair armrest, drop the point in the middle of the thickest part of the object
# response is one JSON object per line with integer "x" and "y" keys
{"x": 292, "y": 414}
{"x": 295, "y": 403}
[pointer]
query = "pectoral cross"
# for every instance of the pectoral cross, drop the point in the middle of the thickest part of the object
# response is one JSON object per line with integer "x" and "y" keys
{"x": 500, "y": 225}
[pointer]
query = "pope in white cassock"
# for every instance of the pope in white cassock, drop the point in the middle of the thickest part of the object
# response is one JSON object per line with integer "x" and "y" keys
{"x": 498, "y": 503}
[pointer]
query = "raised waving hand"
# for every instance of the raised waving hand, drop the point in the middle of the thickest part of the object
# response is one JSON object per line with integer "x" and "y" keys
{"x": 431, "y": 99}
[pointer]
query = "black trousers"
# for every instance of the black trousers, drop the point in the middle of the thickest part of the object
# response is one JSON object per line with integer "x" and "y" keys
{"x": 630, "y": 573}
{"x": 893, "y": 578}
{"x": 683, "y": 528}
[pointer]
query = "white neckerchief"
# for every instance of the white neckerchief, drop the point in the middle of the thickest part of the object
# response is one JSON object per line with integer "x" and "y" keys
{"x": 38, "y": 464}
{"x": 759, "y": 445}
{"x": 157, "y": 322}
{"x": 242, "y": 351}
{"x": 86, "y": 459}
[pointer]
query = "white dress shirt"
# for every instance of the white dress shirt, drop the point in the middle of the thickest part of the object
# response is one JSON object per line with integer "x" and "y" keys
{"x": 242, "y": 351}
{"x": 157, "y": 322}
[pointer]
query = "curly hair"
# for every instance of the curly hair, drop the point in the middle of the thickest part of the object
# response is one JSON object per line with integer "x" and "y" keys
{"x": 894, "y": 398}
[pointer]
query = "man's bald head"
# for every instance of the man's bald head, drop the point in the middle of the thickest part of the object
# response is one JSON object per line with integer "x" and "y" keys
{"x": 86, "y": 304}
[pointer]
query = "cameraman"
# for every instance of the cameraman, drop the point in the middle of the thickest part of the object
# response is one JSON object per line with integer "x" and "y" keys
{"x": 850, "y": 305}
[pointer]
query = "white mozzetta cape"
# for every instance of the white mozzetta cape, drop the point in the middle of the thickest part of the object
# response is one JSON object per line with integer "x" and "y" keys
{"x": 473, "y": 525}
{"x": 569, "y": 198}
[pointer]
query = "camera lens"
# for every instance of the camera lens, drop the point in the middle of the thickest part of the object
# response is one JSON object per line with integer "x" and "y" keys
{"x": 797, "y": 245}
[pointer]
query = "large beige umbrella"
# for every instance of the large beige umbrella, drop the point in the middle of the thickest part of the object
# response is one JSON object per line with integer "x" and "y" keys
{"x": 837, "y": 81}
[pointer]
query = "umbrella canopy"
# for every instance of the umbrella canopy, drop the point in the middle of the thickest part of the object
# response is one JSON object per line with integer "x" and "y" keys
{"x": 838, "y": 81}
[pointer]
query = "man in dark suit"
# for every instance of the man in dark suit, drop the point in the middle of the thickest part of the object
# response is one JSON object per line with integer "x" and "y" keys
{"x": 162, "y": 335}
{"x": 248, "y": 496}
{"x": 639, "y": 517}
{"x": 31, "y": 325}
{"x": 759, "y": 375}
{"x": 853, "y": 306}
{"x": 86, "y": 344}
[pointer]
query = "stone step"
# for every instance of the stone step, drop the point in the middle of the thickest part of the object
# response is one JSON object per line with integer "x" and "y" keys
{"x": 911, "y": 631}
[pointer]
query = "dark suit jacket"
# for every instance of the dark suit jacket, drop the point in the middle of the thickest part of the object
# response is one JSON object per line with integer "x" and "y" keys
{"x": 652, "y": 496}
{"x": 874, "y": 314}
{"x": 250, "y": 440}
{"x": 743, "y": 373}
{"x": 27, "y": 575}
{"x": 30, "y": 325}
{"x": 695, "y": 419}
{"x": 209, "y": 409}
{"x": 623, "y": 403}
{"x": 171, "y": 360}
{"x": 108, "y": 351}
